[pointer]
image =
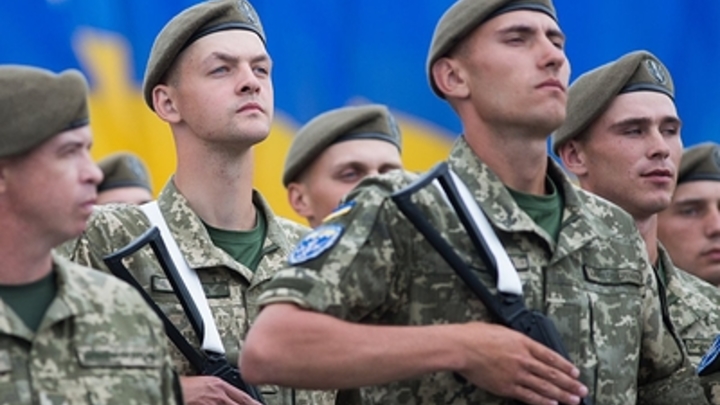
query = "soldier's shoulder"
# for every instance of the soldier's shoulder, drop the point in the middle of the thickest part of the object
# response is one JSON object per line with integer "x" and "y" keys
{"x": 372, "y": 191}
{"x": 293, "y": 230}
{"x": 607, "y": 214}
{"x": 102, "y": 289}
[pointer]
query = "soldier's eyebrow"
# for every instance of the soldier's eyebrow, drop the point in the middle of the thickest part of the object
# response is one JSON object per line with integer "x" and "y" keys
{"x": 222, "y": 56}
{"x": 631, "y": 122}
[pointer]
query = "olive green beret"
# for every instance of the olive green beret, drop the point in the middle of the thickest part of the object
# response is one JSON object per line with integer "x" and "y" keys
{"x": 123, "y": 170}
{"x": 190, "y": 25}
{"x": 466, "y": 15}
{"x": 591, "y": 94}
{"x": 343, "y": 124}
{"x": 700, "y": 162}
{"x": 37, "y": 104}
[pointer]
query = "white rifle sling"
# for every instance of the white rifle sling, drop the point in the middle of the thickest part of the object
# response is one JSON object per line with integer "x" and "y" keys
{"x": 211, "y": 339}
{"x": 508, "y": 280}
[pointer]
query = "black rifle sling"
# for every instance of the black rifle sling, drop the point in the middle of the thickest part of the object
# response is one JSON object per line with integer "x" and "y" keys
{"x": 115, "y": 263}
{"x": 205, "y": 363}
{"x": 509, "y": 309}
{"x": 403, "y": 200}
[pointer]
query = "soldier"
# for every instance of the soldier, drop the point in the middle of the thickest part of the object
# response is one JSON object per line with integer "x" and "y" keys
{"x": 208, "y": 77}
{"x": 333, "y": 152}
{"x": 622, "y": 141}
{"x": 690, "y": 227}
{"x": 125, "y": 180}
{"x": 368, "y": 301}
{"x": 68, "y": 334}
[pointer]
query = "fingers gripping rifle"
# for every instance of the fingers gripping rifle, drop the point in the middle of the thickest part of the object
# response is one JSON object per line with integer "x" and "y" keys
{"x": 204, "y": 362}
{"x": 507, "y": 306}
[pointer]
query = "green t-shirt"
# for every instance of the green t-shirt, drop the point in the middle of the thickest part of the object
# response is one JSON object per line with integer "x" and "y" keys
{"x": 545, "y": 210}
{"x": 243, "y": 246}
{"x": 31, "y": 301}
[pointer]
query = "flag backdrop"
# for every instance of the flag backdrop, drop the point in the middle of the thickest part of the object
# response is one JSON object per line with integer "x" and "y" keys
{"x": 331, "y": 53}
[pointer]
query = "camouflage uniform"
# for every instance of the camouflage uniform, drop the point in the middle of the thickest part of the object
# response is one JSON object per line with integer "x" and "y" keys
{"x": 231, "y": 288}
{"x": 693, "y": 306}
{"x": 595, "y": 283}
{"x": 98, "y": 343}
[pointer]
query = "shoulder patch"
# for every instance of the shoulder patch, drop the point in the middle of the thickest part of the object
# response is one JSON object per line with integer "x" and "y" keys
{"x": 709, "y": 363}
{"x": 340, "y": 211}
{"x": 315, "y": 243}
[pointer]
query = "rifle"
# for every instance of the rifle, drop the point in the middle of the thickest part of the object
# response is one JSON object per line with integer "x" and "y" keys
{"x": 205, "y": 362}
{"x": 507, "y": 306}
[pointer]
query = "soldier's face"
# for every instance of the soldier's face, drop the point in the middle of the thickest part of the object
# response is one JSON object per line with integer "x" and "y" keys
{"x": 516, "y": 71}
{"x": 631, "y": 154}
{"x": 338, "y": 170}
{"x": 52, "y": 189}
{"x": 223, "y": 92}
{"x": 690, "y": 229}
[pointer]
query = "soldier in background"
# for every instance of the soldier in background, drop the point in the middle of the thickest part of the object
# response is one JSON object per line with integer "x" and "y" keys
{"x": 209, "y": 77}
{"x": 622, "y": 141}
{"x": 334, "y": 151}
{"x": 125, "y": 180}
{"x": 68, "y": 334}
{"x": 368, "y": 302}
{"x": 690, "y": 227}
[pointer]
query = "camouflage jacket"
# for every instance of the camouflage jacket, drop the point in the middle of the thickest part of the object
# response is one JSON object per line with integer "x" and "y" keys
{"x": 694, "y": 307}
{"x": 370, "y": 265}
{"x": 231, "y": 288}
{"x": 98, "y": 343}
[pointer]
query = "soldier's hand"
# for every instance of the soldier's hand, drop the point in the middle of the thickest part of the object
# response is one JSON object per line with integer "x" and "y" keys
{"x": 205, "y": 390}
{"x": 512, "y": 365}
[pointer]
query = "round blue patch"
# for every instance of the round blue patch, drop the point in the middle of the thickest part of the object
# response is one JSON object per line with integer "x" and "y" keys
{"x": 315, "y": 243}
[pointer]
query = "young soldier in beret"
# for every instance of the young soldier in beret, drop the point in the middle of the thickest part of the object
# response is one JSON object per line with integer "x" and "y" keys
{"x": 68, "y": 334}
{"x": 208, "y": 77}
{"x": 690, "y": 227}
{"x": 622, "y": 141}
{"x": 333, "y": 152}
{"x": 369, "y": 302}
{"x": 125, "y": 180}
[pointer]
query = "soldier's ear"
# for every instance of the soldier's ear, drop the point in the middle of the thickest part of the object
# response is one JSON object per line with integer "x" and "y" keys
{"x": 3, "y": 174}
{"x": 164, "y": 103}
{"x": 300, "y": 200}
{"x": 449, "y": 77}
{"x": 573, "y": 157}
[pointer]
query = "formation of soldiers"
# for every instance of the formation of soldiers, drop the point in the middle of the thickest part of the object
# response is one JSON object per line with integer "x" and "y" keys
{"x": 378, "y": 303}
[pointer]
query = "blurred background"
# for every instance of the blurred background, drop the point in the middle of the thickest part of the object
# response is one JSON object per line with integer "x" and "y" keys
{"x": 331, "y": 53}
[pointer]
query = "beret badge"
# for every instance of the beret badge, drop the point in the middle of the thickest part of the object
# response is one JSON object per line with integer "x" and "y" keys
{"x": 655, "y": 71}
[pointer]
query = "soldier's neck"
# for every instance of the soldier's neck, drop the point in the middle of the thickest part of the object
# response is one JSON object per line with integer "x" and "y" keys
{"x": 218, "y": 187}
{"x": 648, "y": 230}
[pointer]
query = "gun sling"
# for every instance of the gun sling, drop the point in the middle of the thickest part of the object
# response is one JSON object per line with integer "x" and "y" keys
{"x": 205, "y": 362}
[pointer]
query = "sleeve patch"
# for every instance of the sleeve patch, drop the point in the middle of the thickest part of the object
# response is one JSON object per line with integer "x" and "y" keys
{"x": 315, "y": 243}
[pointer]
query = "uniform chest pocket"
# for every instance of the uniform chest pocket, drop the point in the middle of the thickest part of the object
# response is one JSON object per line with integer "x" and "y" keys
{"x": 120, "y": 375}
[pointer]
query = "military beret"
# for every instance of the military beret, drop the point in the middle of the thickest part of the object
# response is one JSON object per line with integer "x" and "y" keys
{"x": 190, "y": 25}
{"x": 591, "y": 94}
{"x": 123, "y": 170}
{"x": 343, "y": 124}
{"x": 700, "y": 162}
{"x": 37, "y": 104}
{"x": 466, "y": 15}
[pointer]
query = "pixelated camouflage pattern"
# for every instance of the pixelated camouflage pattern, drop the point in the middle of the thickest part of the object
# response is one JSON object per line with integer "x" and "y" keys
{"x": 694, "y": 307}
{"x": 595, "y": 283}
{"x": 231, "y": 288}
{"x": 98, "y": 343}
